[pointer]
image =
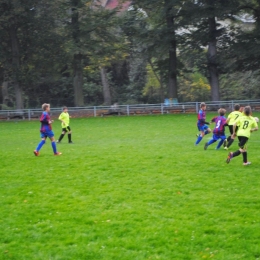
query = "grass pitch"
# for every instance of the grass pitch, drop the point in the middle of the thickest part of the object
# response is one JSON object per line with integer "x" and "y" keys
{"x": 129, "y": 188}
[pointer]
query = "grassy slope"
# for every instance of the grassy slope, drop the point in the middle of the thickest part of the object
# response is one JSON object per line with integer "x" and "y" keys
{"x": 129, "y": 188}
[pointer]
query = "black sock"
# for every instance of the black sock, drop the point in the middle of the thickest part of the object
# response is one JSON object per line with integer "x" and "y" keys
{"x": 69, "y": 137}
{"x": 230, "y": 142}
{"x": 229, "y": 138}
{"x": 245, "y": 157}
{"x": 61, "y": 136}
{"x": 236, "y": 153}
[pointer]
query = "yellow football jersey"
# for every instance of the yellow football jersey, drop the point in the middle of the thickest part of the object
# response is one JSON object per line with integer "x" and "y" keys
{"x": 245, "y": 124}
{"x": 233, "y": 116}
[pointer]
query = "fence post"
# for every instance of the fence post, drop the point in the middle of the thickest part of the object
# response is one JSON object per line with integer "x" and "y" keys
{"x": 232, "y": 105}
{"x": 162, "y": 108}
{"x": 95, "y": 111}
{"x": 29, "y": 114}
{"x": 127, "y": 109}
{"x": 197, "y": 107}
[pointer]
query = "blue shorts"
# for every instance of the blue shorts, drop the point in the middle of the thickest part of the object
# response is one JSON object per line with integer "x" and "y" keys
{"x": 203, "y": 127}
{"x": 49, "y": 134}
{"x": 216, "y": 137}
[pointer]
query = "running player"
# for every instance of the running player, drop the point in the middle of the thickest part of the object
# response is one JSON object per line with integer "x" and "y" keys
{"x": 219, "y": 130}
{"x": 65, "y": 121}
{"x": 232, "y": 117}
{"x": 246, "y": 124}
{"x": 46, "y": 130}
{"x": 202, "y": 124}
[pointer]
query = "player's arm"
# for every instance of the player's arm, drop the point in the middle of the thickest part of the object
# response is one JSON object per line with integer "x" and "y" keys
{"x": 228, "y": 119}
{"x": 255, "y": 128}
{"x": 234, "y": 129}
{"x": 61, "y": 119}
{"x": 45, "y": 119}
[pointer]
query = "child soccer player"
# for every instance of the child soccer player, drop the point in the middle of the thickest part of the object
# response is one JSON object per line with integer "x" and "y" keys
{"x": 232, "y": 117}
{"x": 202, "y": 124}
{"x": 46, "y": 130}
{"x": 246, "y": 124}
{"x": 219, "y": 130}
{"x": 65, "y": 121}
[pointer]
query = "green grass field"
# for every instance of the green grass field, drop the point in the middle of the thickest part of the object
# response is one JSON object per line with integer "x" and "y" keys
{"x": 129, "y": 188}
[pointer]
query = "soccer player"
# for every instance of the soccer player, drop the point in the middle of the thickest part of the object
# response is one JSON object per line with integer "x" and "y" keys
{"x": 246, "y": 124}
{"x": 219, "y": 130}
{"x": 202, "y": 124}
{"x": 232, "y": 117}
{"x": 65, "y": 121}
{"x": 46, "y": 130}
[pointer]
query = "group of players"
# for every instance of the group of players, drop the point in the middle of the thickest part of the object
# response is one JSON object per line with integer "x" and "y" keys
{"x": 240, "y": 123}
{"x": 46, "y": 129}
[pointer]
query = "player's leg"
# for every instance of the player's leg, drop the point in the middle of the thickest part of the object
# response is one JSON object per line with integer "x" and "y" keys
{"x": 242, "y": 142}
{"x": 62, "y": 135}
{"x": 53, "y": 143}
{"x": 207, "y": 130}
{"x": 230, "y": 142}
{"x": 69, "y": 135}
{"x": 202, "y": 133}
{"x": 209, "y": 143}
{"x": 226, "y": 142}
{"x": 40, "y": 145}
{"x": 244, "y": 151}
{"x": 222, "y": 140}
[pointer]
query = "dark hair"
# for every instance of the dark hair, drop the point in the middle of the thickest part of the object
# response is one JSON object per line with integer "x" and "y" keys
{"x": 236, "y": 107}
{"x": 247, "y": 110}
{"x": 64, "y": 108}
{"x": 222, "y": 111}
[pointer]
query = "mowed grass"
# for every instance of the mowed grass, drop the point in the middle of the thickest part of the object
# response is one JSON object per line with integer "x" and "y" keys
{"x": 129, "y": 188}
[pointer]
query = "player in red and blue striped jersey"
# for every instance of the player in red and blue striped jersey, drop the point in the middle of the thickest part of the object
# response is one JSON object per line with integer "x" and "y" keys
{"x": 219, "y": 130}
{"x": 46, "y": 130}
{"x": 202, "y": 124}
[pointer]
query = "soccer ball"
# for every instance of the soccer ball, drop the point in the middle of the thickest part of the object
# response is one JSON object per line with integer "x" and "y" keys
{"x": 256, "y": 119}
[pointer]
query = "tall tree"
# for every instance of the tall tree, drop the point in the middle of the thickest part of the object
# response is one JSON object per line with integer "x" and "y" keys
{"x": 205, "y": 32}
{"x": 159, "y": 36}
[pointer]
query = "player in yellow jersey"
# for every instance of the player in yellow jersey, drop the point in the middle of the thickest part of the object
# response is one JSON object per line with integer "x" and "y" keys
{"x": 65, "y": 121}
{"x": 232, "y": 117}
{"x": 246, "y": 124}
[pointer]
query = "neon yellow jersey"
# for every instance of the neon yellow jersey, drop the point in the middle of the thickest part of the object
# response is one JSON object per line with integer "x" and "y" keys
{"x": 66, "y": 118}
{"x": 245, "y": 124}
{"x": 233, "y": 116}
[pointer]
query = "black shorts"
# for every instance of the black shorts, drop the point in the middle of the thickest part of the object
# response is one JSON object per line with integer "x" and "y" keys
{"x": 242, "y": 141}
{"x": 231, "y": 129}
{"x": 66, "y": 129}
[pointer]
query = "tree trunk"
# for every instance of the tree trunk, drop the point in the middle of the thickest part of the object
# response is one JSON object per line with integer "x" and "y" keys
{"x": 16, "y": 67}
{"x": 78, "y": 81}
{"x": 5, "y": 94}
{"x": 77, "y": 59}
{"x": 106, "y": 89}
{"x": 212, "y": 60}
{"x": 172, "y": 87}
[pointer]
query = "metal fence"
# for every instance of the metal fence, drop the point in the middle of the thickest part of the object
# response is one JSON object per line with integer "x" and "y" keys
{"x": 139, "y": 109}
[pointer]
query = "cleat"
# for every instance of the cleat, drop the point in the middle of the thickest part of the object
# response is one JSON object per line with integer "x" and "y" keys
{"x": 230, "y": 156}
{"x": 225, "y": 148}
{"x": 57, "y": 142}
{"x": 71, "y": 142}
{"x": 206, "y": 146}
{"x": 57, "y": 154}
{"x": 246, "y": 163}
{"x": 225, "y": 143}
{"x": 197, "y": 135}
{"x": 36, "y": 153}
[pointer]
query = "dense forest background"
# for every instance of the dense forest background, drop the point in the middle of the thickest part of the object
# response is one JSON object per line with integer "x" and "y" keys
{"x": 94, "y": 52}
